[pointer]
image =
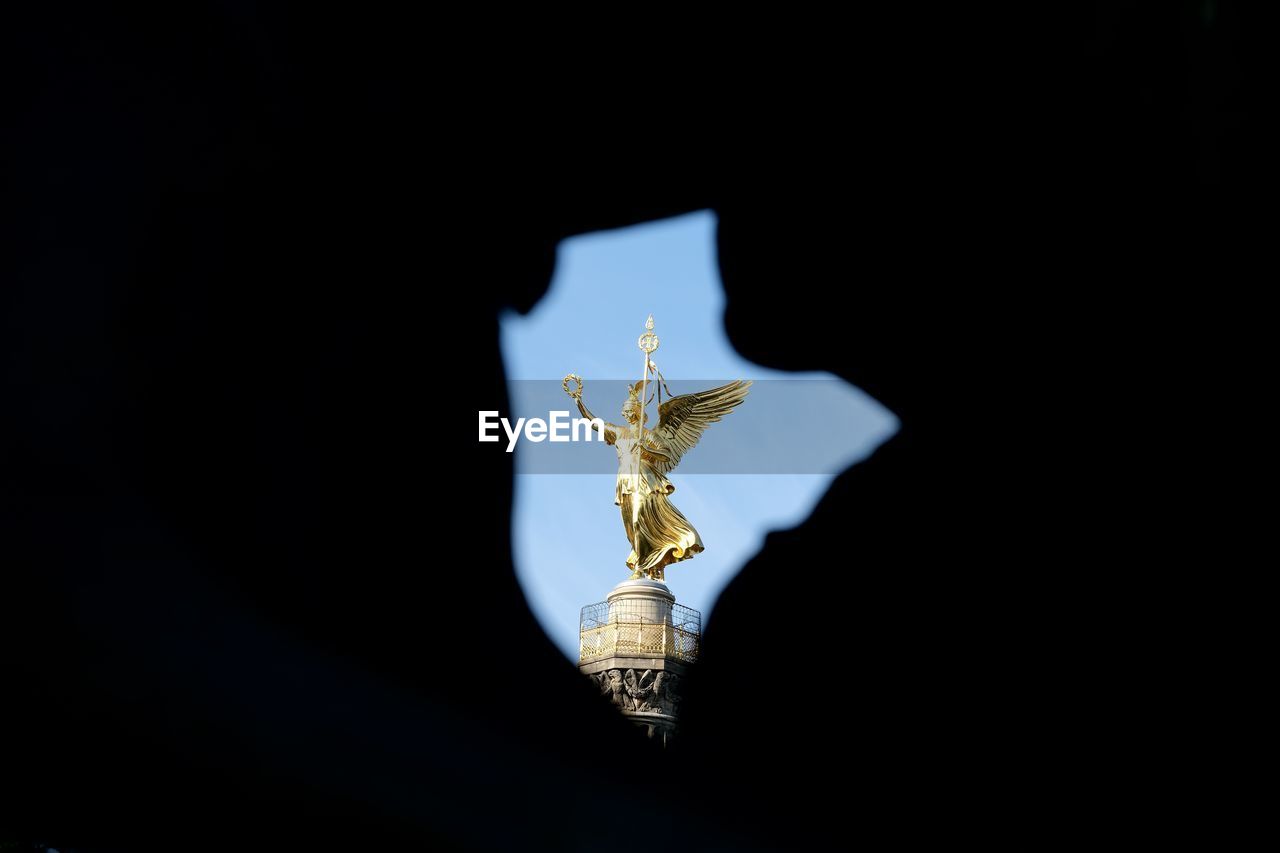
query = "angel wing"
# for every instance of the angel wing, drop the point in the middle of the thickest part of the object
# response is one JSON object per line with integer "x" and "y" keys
{"x": 683, "y": 419}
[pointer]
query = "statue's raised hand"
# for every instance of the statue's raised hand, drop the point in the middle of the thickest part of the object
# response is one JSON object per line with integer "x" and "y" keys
{"x": 575, "y": 393}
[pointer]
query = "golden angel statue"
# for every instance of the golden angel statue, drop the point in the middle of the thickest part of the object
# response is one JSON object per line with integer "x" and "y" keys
{"x": 659, "y": 534}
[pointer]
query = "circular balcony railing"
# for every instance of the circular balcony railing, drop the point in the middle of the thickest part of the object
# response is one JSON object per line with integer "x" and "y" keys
{"x": 626, "y": 629}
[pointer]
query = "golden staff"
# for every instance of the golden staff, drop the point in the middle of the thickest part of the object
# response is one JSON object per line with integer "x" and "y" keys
{"x": 648, "y": 344}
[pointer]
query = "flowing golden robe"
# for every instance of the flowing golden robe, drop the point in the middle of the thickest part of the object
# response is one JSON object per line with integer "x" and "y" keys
{"x": 658, "y": 532}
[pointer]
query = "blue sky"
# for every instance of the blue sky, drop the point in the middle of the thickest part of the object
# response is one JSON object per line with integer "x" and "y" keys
{"x": 567, "y": 534}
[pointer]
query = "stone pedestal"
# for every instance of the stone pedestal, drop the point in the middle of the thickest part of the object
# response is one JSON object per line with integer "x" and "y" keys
{"x": 637, "y": 645}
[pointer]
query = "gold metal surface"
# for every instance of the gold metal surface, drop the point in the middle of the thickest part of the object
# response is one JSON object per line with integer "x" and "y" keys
{"x": 659, "y": 534}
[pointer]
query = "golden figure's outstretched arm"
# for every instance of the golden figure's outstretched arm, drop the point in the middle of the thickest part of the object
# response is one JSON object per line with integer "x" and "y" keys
{"x": 610, "y": 431}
